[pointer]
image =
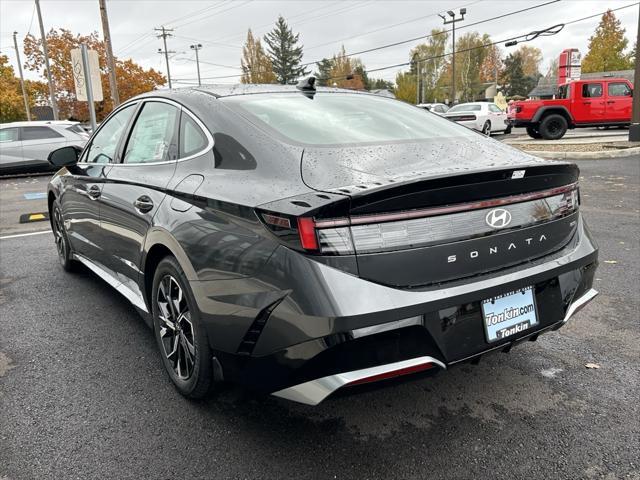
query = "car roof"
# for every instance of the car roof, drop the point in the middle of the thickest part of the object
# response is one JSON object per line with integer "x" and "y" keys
{"x": 37, "y": 123}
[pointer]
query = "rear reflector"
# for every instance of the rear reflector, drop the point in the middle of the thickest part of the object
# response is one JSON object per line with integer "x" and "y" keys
{"x": 276, "y": 221}
{"x": 394, "y": 373}
{"x": 307, "y": 230}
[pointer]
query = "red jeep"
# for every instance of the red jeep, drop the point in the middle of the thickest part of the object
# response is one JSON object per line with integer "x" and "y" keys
{"x": 582, "y": 103}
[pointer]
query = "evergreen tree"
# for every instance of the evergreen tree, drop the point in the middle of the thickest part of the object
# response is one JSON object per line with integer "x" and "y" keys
{"x": 606, "y": 47}
{"x": 324, "y": 72}
{"x": 284, "y": 52}
{"x": 513, "y": 78}
{"x": 256, "y": 65}
{"x": 380, "y": 84}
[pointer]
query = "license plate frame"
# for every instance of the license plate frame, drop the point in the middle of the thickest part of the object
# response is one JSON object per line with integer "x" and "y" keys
{"x": 505, "y": 316}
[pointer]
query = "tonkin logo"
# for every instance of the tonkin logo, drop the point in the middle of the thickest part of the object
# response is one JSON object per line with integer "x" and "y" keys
{"x": 498, "y": 218}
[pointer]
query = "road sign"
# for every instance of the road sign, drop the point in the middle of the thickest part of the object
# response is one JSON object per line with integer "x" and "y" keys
{"x": 79, "y": 78}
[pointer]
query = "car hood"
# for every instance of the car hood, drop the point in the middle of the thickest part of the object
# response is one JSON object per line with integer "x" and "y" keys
{"x": 327, "y": 168}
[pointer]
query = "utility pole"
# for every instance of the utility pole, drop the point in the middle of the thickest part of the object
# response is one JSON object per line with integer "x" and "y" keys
{"x": 84, "y": 51}
{"x": 195, "y": 48}
{"x": 24, "y": 92}
{"x": 634, "y": 129}
{"x": 452, "y": 21}
{"x": 165, "y": 33}
{"x": 52, "y": 87}
{"x": 106, "y": 33}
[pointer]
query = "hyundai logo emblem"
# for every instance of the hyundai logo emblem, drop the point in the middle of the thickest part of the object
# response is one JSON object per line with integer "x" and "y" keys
{"x": 498, "y": 218}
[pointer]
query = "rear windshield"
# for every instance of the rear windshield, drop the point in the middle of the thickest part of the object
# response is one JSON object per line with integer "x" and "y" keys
{"x": 342, "y": 118}
{"x": 465, "y": 107}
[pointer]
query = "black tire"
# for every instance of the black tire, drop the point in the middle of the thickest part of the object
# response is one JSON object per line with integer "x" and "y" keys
{"x": 486, "y": 128}
{"x": 65, "y": 254}
{"x": 533, "y": 132}
{"x": 553, "y": 127}
{"x": 184, "y": 348}
{"x": 507, "y": 130}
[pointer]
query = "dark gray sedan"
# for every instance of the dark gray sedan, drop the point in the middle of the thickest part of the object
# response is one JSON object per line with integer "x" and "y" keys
{"x": 301, "y": 240}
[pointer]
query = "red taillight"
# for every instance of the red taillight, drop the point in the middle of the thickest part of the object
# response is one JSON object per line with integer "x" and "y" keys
{"x": 307, "y": 231}
{"x": 393, "y": 373}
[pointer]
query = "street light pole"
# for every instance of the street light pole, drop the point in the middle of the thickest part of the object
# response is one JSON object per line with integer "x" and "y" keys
{"x": 52, "y": 88}
{"x": 24, "y": 92}
{"x": 634, "y": 129}
{"x": 452, "y": 21}
{"x": 195, "y": 48}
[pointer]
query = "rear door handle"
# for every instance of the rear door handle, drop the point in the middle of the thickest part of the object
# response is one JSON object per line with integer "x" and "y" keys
{"x": 611, "y": 101}
{"x": 94, "y": 192}
{"x": 587, "y": 103}
{"x": 144, "y": 204}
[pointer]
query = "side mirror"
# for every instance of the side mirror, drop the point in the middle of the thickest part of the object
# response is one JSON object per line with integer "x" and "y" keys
{"x": 65, "y": 156}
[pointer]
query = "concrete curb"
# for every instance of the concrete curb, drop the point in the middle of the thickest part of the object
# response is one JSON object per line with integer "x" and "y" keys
{"x": 628, "y": 152}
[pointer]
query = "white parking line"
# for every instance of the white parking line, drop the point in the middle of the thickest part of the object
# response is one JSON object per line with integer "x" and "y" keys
{"x": 6, "y": 237}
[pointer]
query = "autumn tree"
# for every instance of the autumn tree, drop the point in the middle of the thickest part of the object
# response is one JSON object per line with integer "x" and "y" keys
{"x": 406, "y": 87}
{"x": 12, "y": 103}
{"x": 430, "y": 56}
{"x": 132, "y": 79}
{"x": 471, "y": 52}
{"x": 256, "y": 65}
{"x": 491, "y": 65}
{"x": 284, "y": 52}
{"x": 345, "y": 72}
{"x": 607, "y": 47}
{"x": 531, "y": 59}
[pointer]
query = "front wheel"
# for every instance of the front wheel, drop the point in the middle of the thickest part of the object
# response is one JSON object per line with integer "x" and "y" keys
{"x": 181, "y": 337}
{"x": 486, "y": 128}
{"x": 62, "y": 241}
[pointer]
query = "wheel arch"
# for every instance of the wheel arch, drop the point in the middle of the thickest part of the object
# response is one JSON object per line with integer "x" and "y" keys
{"x": 558, "y": 109}
{"x": 158, "y": 245}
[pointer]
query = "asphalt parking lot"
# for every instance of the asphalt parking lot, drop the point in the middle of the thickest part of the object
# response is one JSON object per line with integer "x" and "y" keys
{"x": 83, "y": 393}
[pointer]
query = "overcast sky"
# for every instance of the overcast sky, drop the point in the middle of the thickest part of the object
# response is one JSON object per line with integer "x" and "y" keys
{"x": 221, "y": 27}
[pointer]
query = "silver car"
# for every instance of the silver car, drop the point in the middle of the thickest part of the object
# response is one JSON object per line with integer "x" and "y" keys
{"x": 25, "y": 146}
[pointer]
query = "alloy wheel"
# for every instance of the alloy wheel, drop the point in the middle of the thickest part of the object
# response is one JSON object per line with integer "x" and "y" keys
{"x": 176, "y": 328}
{"x": 58, "y": 233}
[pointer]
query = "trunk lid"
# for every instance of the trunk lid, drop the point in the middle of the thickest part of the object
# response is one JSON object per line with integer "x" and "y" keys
{"x": 418, "y": 212}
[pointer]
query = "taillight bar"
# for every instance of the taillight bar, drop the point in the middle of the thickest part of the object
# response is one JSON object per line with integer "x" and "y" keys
{"x": 430, "y": 212}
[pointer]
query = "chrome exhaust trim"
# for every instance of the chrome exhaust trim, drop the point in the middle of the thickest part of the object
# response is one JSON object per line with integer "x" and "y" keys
{"x": 578, "y": 304}
{"x": 315, "y": 391}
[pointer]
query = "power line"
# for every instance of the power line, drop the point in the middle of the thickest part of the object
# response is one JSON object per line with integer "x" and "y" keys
{"x": 381, "y": 47}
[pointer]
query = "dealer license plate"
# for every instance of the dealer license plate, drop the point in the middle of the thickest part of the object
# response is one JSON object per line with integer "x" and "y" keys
{"x": 509, "y": 314}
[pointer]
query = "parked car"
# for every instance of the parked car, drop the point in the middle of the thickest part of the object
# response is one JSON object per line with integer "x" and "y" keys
{"x": 25, "y": 146}
{"x": 301, "y": 240}
{"x": 485, "y": 117}
{"x": 437, "y": 108}
{"x": 602, "y": 102}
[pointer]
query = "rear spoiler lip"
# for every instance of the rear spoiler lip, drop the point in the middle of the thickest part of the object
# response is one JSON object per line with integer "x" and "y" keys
{"x": 364, "y": 189}
{"x": 433, "y": 211}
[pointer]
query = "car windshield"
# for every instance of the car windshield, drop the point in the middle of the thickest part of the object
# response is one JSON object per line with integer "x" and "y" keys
{"x": 465, "y": 107}
{"x": 342, "y": 118}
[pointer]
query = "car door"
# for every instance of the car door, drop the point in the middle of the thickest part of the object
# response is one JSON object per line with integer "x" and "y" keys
{"x": 590, "y": 106}
{"x": 10, "y": 148}
{"x": 38, "y": 142}
{"x": 619, "y": 97}
{"x": 498, "y": 117}
{"x": 136, "y": 186}
{"x": 82, "y": 187}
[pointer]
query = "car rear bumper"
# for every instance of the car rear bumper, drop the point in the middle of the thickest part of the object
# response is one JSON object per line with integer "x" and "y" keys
{"x": 327, "y": 329}
{"x": 518, "y": 123}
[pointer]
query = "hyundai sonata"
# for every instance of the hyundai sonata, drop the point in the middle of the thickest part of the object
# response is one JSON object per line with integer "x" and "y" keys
{"x": 301, "y": 240}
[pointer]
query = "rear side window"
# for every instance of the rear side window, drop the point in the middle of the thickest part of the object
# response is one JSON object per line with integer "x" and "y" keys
{"x": 154, "y": 135}
{"x": 192, "y": 138}
{"x": 494, "y": 108}
{"x": 465, "y": 107}
{"x": 619, "y": 89}
{"x": 9, "y": 135}
{"x": 39, "y": 133}
{"x": 591, "y": 90}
